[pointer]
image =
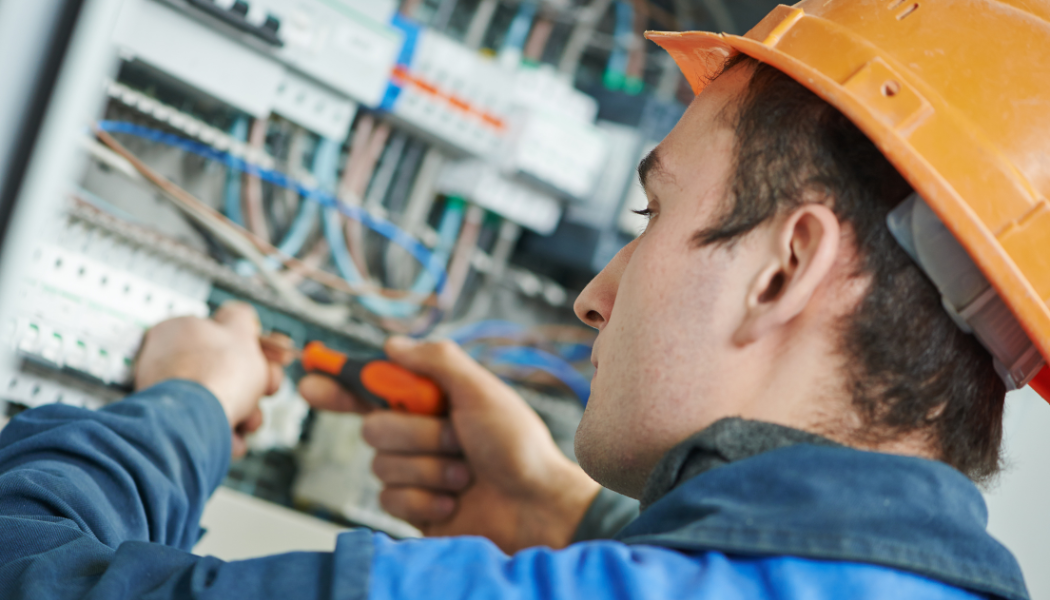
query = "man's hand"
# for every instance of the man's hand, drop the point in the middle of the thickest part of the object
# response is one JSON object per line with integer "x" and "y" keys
{"x": 223, "y": 355}
{"x": 489, "y": 469}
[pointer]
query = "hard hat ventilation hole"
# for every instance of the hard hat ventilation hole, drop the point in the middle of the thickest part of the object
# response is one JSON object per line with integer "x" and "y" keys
{"x": 907, "y": 11}
{"x": 891, "y": 88}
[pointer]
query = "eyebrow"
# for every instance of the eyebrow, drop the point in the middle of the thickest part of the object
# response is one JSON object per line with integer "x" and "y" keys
{"x": 648, "y": 166}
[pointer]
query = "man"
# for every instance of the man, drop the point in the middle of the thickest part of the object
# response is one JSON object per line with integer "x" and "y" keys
{"x": 777, "y": 382}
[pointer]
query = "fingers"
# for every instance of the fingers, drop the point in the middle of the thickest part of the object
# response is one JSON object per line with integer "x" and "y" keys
{"x": 324, "y": 393}
{"x": 402, "y": 433}
{"x": 238, "y": 447}
{"x": 418, "y": 507}
{"x": 278, "y": 348}
{"x": 240, "y": 317}
{"x": 252, "y": 423}
{"x": 428, "y": 472}
{"x": 275, "y": 376}
{"x": 444, "y": 362}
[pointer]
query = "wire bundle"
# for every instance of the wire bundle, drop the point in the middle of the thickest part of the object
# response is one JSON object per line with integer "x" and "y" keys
{"x": 319, "y": 199}
{"x": 519, "y": 353}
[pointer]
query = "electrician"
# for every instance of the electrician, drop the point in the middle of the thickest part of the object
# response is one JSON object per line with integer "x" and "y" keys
{"x": 801, "y": 363}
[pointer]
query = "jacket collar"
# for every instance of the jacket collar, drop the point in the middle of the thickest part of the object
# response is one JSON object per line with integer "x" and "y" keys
{"x": 752, "y": 488}
{"x": 723, "y": 442}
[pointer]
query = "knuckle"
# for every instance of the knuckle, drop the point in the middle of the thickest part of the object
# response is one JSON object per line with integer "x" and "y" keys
{"x": 446, "y": 350}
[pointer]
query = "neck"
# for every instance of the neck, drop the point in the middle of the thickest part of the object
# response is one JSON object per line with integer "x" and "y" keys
{"x": 800, "y": 385}
{"x": 804, "y": 387}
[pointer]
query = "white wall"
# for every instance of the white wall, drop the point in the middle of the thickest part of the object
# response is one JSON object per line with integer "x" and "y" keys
{"x": 1019, "y": 504}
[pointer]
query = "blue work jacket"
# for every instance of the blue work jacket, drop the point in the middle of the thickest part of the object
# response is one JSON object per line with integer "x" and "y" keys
{"x": 106, "y": 504}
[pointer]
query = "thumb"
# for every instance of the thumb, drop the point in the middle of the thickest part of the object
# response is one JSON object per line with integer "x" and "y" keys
{"x": 460, "y": 376}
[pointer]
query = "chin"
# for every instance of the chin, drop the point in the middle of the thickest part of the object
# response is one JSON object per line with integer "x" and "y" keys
{"x": 587, "y": 447}
{"x": 606, "y": 458}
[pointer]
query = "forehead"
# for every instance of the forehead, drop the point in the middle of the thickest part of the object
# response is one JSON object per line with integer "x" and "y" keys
{"x": 705, "y": 128}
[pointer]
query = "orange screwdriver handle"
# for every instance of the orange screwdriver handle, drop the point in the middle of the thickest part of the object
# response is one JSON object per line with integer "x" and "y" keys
{"x": 377, "y": 381}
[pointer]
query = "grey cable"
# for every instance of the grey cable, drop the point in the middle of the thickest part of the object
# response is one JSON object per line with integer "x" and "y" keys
{"x": 580, "y": 37}
{"x": 479, "y": 25}
{"x": 443, "y": 14}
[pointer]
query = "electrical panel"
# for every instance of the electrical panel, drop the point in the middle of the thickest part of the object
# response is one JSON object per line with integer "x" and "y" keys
{"x": 562, "y": 153}
{"x": 90, "y": 298}
{"x": 529, "y": 134}
{"x": 450, "y": 93}
{"x": 351, "y": 172}
{"x": 483, "y": 184}
{"x": 322, "y": 58}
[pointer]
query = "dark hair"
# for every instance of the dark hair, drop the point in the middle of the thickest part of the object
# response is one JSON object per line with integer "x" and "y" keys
{"x": 909, "y": 368}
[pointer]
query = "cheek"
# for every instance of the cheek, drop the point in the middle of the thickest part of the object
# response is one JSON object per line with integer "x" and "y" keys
{"x": 670, "y": 325}
{"x": 665, "y": 295}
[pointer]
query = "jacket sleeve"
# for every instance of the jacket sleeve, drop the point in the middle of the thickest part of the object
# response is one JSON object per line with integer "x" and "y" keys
{"x": 608, "y": 513}
{"x": 465, "y": 568}
{"x": 106, "y": 504}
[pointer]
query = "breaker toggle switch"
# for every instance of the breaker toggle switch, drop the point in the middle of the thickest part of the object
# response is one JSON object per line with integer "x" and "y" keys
{"x": 239, "y": 14}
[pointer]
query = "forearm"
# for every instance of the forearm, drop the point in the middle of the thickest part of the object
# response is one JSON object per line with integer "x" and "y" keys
{"x": 83, "y": 493}
{"x": 138, "y": 470}
{"x": 85, "y": 568}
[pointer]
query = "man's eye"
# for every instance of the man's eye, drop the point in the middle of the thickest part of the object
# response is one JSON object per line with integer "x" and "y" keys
{"x": 645, "y": 212}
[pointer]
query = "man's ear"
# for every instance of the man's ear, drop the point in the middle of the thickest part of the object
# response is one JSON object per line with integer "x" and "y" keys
{"x": 800, "y": 253}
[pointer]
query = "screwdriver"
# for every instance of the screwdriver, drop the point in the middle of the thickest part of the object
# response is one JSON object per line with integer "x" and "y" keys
{"x": 371, "y": 378}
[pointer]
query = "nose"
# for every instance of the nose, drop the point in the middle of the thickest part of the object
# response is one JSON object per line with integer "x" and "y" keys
{"x": 595, "y": 303}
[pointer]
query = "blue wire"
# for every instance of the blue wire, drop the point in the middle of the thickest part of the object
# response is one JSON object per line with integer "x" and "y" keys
{"x": 524, "y": 357}
{"x": 430, "y": 262}
{"x": 617, "y": 66}
{"x": 232, "y": 196}
{"x": 333, "y": 232}
{"x": 448, "y": 233}
{"x": 492, "y": 328}
{"x": 325, "y": 171}
{"x": 326, "y": 163}
{"x": 534, "y": 358}
{"x": 325, "y": 168}
{"x": 497, "y": 328}
{"x": 574, "y": 352}
{"x": 518, "y": 34}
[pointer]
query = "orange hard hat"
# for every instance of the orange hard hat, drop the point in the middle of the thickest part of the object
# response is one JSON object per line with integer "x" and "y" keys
{"x": 957, "y": 96}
